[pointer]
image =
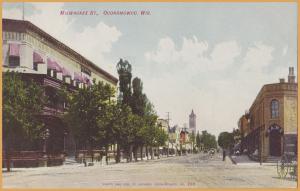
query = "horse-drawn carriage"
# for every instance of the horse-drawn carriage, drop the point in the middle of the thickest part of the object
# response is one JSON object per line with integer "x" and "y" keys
{"x": 287, "y": 165}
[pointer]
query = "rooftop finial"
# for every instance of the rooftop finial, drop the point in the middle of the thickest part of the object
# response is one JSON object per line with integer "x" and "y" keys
{"x": 291, "y": 77}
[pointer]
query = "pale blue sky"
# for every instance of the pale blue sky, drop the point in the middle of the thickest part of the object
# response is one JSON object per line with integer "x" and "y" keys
{"x": 210, "y": 57}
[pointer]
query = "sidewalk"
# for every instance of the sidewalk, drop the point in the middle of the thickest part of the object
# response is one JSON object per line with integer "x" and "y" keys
{"x": 245, "y": 160}
{"x": 241, "y": 159}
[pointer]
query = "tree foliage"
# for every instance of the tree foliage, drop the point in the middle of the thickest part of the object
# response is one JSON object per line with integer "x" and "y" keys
{"x": 225, "y": 140}
{"x": 89, "y": 115}
{"x": 208, "y": 140}
{"x": 23, "y": 101}
{"x": 198, "y": 140}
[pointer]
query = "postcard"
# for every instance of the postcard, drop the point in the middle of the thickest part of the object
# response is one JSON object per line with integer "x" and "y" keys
{"x": 149, "y": 95}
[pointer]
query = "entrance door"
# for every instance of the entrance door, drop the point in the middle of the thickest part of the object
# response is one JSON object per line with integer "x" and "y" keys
{"x": 275, "y": 143}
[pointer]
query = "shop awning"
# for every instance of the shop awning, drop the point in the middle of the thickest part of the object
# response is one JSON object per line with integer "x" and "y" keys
{"x": 87, "y": 80}
{"x": 53, "y": 65}
{"x": 37, "y": 58}
{"x": 78, "y": 77}
{"x": 66, "y": 72}
{"x": 14, "y": 49}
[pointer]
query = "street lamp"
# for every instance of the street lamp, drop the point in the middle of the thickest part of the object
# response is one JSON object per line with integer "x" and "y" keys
{"x": 45, "y": 135}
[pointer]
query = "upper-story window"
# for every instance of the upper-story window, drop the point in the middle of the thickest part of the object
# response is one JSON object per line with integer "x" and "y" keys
{"x": 14, "y": 61}
{"x": 37, "y": 59}
{"x": 86, "y": 71}
{"x": 14, "y": 55}
{"x": 274, "y": 108}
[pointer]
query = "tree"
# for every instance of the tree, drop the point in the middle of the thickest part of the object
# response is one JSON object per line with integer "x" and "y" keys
{"x": 225, "y": 140}
{"x": 160, "y": 137}
{"x": 138, "y": 98}
{"x": 124, "y": 71}
{"x": 198, "y": 140}
{"x": 123, "y": 129}
{"x": 150, "y": 119}
{"x": 138, "y": 105}
{"x": 192, "y": 140}
{"x": 89, "y": 115}
{"x": 209, "y": 141}
{"x": 22, "y": 103}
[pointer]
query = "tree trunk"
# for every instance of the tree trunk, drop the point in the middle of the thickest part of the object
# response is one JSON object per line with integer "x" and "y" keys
{"x": 130, "y": 153}
{"x": 158, "y": 153}
{"x": 152, "y": 153}
{"x": 142, "y": 152}
{"x": 135, "y": 153}
{"x": 118, "y": 157}
{"x": 147, "y": 152}
{"x": 7, "y": 157}
{"x": 168, "y": 150}
{"x": 106, "y": 154}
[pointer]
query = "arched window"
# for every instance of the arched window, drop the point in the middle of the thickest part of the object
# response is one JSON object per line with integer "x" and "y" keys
{"x": 274, "y": 108}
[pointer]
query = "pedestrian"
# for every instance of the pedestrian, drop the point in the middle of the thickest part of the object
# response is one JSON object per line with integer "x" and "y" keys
{"x": 224, "y": 154}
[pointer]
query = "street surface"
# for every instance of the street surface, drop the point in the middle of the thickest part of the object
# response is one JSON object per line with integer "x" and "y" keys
{"x": 198, "y": 170}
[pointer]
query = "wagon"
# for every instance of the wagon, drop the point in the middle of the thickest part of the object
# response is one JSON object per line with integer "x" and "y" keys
{"x": 287, "y": 165}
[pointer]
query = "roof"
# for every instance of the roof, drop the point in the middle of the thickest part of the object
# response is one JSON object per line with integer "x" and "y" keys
{"x": 275, "y": 87}
{"x": 23, "y": 26}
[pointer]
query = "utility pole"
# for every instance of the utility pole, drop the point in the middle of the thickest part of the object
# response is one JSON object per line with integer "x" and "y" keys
{"x": 168, "y": 119}
{"x": 23, "y": 12}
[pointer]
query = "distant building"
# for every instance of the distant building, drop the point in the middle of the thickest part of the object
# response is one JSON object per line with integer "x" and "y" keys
{"x": 269, "y": 127}
{"x": 192, "y": 122}
{"x": 163, "y": 123}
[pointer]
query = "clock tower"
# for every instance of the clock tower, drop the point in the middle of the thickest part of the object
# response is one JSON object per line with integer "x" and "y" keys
{"x": 192, "y": 122}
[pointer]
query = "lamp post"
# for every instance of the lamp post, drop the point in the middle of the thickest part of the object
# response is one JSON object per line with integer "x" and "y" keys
{"x": 45, "y": 135}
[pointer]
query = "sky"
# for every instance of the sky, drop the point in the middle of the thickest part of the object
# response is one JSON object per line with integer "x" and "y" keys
{"x": 210, "y": 57}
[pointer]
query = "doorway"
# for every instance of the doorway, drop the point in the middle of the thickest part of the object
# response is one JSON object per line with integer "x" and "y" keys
{"x": 275, "y": 143}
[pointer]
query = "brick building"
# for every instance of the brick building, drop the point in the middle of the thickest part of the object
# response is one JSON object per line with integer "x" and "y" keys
{"x": 269, "y": 128}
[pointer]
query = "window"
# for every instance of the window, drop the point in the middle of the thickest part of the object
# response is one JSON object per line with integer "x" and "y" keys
{"x": 86, "y": 71}
{"x": 49, "y": 72}
{"x": 274, "y": 108}
{"x": 35, "y": 66}
{"x": 77, "y": 84}
{"x": 14, "y": 61}
{"x": 54, "y": 74}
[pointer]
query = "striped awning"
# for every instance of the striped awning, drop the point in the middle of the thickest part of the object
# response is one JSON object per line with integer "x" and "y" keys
{"x": 37, "y": 58}
{"x": 14, "y": 49}
{"x": 87, "y": 80}
{"x": 53, "y": 65}
{"x": 78, "y": 77}
{"x": 66, "y": 72}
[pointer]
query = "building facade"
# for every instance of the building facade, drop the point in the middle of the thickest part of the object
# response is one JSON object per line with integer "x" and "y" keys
{"x": 37, "y": 55}
{"x": 269, "y": 128}
{"x": 163, "y": 123}
{"x": 192, "y": 122}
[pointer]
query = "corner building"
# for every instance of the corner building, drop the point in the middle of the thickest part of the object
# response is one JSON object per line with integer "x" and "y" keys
{"x": 269, "y": 128}
{"x": 37, "y": 55}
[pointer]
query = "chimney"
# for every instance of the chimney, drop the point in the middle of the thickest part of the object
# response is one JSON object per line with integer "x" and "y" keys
{"x": 291, "y": 77}
{"x": 281, "y": 80}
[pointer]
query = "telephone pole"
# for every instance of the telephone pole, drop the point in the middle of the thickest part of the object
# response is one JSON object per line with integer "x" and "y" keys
{"x": 23, "y": 12}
